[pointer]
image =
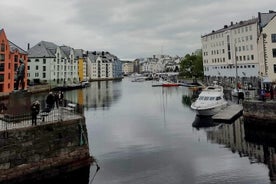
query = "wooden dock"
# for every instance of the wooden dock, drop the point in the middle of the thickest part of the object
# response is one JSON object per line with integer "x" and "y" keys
{"x": 229, "y": 114}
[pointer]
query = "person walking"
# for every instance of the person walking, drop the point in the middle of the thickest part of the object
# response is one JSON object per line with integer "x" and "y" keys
{"x": 20, "y": 74}
{"x": 35, "y": 108}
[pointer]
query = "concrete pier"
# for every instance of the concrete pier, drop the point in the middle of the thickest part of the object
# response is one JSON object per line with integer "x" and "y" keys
{"x": 229, "y": 113}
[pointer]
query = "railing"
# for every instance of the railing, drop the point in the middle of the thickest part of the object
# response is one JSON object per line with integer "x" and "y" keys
{"x": 66, "y": 111}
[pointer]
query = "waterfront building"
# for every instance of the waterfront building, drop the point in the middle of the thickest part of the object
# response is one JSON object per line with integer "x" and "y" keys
{"x": 267, "y": 46}
{"x": 53, "y": 64}
{"x": 127, "y": 67}
{"x": 69, "y": 63}
{"x": 80, "y": 56}
{"x": 159, "y": 63}
{"x": 43, "y": 63}
{"x": 103, "y": 65}
{"x": 231, "y": 49}
{"x": 10, "y": 54}
{"x": 239, "y": 51}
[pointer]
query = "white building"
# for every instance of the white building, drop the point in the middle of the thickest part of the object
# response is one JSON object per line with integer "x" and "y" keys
{"x": 103, "y": 65}
{"x": 246, "y": 50}
{"x": 42, "y": 62}
{"x": 267, "y": 44}
{"x": 232, "y": 51}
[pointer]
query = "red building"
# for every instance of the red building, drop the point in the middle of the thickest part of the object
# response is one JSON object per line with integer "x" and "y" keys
{"x": 9, "y": 62}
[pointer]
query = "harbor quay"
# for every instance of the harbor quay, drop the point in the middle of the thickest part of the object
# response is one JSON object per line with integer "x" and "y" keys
{"x": 57, "y": 145}
{"x": 260, "y": 113}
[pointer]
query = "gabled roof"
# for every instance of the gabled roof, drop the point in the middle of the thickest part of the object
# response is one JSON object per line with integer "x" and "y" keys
{"x": 14, "y": 47}
{"x": 66, "y": 50}
{"x": 92, "y": 57}
{"x": 42, "y": 49}
{"x": 265, "y": 18}
{"x": 78, "y": 53}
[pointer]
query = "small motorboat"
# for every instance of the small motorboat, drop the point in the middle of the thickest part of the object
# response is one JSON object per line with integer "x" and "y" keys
{"x": 210, "y": 101}
{"x": 165, "y": 84}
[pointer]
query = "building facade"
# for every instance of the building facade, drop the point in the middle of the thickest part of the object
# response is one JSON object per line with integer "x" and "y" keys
{"x": 232, "y": 52}
{"x": 267, "y": 39}
{"x": 103, "y": 66}
{"x": 9, "y": 62}
{"x": 42, "y": 63}
{"x": 241, "y": 52}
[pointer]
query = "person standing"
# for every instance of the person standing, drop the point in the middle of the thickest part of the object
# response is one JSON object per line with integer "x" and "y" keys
{"x": 50, "y": 101}
{"x": 57, "y": 99}
{"x": 20, "y": 74}
{"x": 35, "y": 108}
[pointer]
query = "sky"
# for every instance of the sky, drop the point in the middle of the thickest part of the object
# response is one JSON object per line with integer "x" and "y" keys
{"x": 129, "y": 29}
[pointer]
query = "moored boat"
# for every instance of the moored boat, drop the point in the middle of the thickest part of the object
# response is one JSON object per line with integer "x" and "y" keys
{"x": 210, "y": 101}
{"x": 170, "y": 84}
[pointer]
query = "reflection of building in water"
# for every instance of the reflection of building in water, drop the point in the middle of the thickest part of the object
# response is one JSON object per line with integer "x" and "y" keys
{"x": 101, "y": 94}
{"x": 80, "y": 97}
{"x": 242, "y": 141}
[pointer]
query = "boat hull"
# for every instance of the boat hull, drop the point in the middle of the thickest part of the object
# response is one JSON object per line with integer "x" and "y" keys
{"x": 170, "y": 85}
{"x": 209, "y": 111}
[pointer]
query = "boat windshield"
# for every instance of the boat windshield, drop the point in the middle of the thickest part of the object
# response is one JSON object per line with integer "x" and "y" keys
{"x": 212, "y": 98}
{"x": 201, "y": 97}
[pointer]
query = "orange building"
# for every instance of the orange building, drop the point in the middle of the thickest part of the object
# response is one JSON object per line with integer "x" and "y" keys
{"x": 9, "y": 62}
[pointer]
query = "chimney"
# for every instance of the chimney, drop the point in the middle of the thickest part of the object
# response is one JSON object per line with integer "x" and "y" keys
{"x": 231, "y": 23}
{"x": 28, "y": 46}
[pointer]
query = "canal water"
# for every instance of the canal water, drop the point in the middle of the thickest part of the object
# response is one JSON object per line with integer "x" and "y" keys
{"x": 141, "y": 134}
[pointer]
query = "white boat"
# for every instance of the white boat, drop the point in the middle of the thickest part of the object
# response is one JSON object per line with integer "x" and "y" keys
{"x": 210, "y": 101}
{"x": 138, "y": 79}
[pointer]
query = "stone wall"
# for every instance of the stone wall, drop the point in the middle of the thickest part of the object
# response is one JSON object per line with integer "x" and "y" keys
{"x": 259, "y": 111}
{"x": 42, "y": 151}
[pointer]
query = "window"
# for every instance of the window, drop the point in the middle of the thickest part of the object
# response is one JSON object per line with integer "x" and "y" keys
{"x": 44, "y": 75}
{"x": 2, "y": 47}
{"x": 274, "y": 66}
{"x": 36, "y": 67}
{"x": 2, "y": 57}
{"x": 44, "y": 61}
{"x": 252, "y": 57}
{"x": 274, "y": 53}
{"x": 44, "y": 68}
{"x": 2, "y": 67}
{"x": 36, "y": 60}
{"x": 2, "y": 78}
{"x": 273, "y": 38}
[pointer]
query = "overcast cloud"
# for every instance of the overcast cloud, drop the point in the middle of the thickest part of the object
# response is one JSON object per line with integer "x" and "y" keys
{"x": 126, "y": 28}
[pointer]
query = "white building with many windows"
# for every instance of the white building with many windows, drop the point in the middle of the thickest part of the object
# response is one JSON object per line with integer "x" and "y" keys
{"x": 242, "y": 50}
{"x": 42, "y": 60}
{"x": 103, "y": 65}
{"x": 232, "y": 51}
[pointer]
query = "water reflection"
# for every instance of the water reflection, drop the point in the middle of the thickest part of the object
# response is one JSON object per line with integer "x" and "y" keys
{"x": 203, "y": 121}
{"x": 257, "y": 145}
{"x": 100, "y": 95}
{"x": 148, "y": 138}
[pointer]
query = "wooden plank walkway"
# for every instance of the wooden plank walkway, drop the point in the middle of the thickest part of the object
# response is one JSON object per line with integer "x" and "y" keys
{"x": 229, "y": 113}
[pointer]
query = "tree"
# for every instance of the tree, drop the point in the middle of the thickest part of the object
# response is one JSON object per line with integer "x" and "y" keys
{"x": 192, "y": 66}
